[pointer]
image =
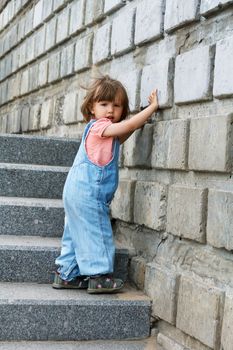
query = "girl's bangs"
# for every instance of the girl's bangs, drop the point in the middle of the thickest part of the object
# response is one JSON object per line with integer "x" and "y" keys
{"x": 108, "y": 93}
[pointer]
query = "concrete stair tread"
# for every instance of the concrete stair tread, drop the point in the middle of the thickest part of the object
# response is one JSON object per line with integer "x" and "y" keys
{"x": 144, "y": 344}
{"x": 31, "y": 202}
{"x": 29, "y": 241}
{"x": 35, "y": 292}
{"x": 37, "y": 137}
{"x": 36, "y": 167}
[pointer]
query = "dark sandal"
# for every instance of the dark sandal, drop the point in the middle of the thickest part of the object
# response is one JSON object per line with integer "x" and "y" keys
{"x": 104, "y": 284}
{"x": 80, "y": 282}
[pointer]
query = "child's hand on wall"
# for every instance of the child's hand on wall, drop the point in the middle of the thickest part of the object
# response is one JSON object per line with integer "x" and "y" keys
{"x": 153, "y": 99}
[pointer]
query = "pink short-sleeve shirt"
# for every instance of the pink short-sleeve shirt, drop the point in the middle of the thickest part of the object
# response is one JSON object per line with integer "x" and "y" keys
{"x": 98, "y": 147}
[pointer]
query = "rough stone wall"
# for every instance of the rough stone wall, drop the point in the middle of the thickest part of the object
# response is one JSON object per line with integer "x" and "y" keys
{"x": 174, "y": 206}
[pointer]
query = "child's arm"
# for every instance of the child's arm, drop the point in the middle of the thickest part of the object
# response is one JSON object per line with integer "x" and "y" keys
{"x": 125, "y": 128}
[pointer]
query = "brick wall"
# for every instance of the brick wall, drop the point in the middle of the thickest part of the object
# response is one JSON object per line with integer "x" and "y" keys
{"x": 174, "y": 205}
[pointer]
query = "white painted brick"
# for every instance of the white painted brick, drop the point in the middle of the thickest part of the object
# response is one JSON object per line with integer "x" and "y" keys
{"x": 113, "y": 5}
{"x": 43, "y": 72}
{"x": 227, "y": 327}
{"x": 21, "y": 28}
{"x": 33, "y": 77}
{"x": 131, "y": 81}
{"x": 122, "y": 32}
{"x": 30, "y": 48}
{"x": 170, "y": 144}
{"x": 150, "y": 204}
{"x": 62, "y": 25}
{"x": 223, "y": 71}
{"x": 76, "y": 16}
{"x": 219, "y": 222}
{"x": 70, "y": 108}
{"x": 210, "y": 144}
{"x": 122, "y": 204}
{"x": 179, "y": 13}
{"x": 15, "y": 59}
{"x": 34, "y": 117}
{"x": 101, "y": 45}
{"x": 161, "y": 287}
{"x": 94, "y": 11}
{"x": 198, "y": 311}
{"x": 158, "y": 75}
{"x": 137, "y": 149}
{"x": 209, "y": 6}
{"x": 193, "y": 75}
{"x": 40, "y": 41}
{"x": 186, "y": 212}
{"x": 24, "y": 84}
{"x": 169, "y": 344}
{"x": 67, "y": 60}
{"x": 83, "y": 52}
{"x": 54, "y": 67}
{"x": 22, "y": 54}
{"x": 38, "y": 11}
{"x": 149, "y": 21}
{"x": 46, "y": 114}
{"x": 50, "y": 35}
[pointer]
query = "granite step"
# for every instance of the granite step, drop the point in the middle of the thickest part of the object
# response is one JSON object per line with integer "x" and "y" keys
{"x": 144, "y": 344}
{"x": 26, "y": 180}
{"x": 42, "y": 150}
{"x": 31, "y": 259}
{"x": 39, "y": 312}
{"x": 31, "y": 216}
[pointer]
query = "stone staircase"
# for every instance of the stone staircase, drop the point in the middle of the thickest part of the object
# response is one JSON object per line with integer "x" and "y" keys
{"x": 32, "y": 314}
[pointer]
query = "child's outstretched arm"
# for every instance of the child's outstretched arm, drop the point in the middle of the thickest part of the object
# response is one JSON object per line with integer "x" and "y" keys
{"x": 125, "y": 128}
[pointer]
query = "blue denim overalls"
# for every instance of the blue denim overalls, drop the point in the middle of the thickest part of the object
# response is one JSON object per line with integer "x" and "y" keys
{"x": 87, "y": 243}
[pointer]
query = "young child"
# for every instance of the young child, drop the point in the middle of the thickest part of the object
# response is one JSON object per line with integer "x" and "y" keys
{"x": 88, "y": 251}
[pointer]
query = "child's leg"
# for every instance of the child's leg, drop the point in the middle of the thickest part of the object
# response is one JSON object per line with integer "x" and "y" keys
{"x": 68, "y": 268}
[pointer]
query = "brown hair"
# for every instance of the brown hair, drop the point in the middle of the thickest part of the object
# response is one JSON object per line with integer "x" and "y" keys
{"x": 105, "y": 89}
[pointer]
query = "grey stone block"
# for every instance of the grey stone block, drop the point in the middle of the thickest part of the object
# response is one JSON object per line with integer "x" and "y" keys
{"x": 137, "y": 149}
{"x": 30, "y": 216}
{"x": 14, "y": 121}
{"x": 67, "y": 60}
{"x": 122, "y": 204}
{"x": 29, "y": 21}
{"x": 32, "y": 259}
{"x": 113, "y": 5}
{"x": 37, "y": 312}
{"x": 101, "y": 45}
{"x": 3, "y": 123}
{"x": 32, "y": 180}
{"x": 198, "y": 311}
{"x": 38, "y": 11}
{"x": 149, "y": 21}
{"x": 25, "y": 118}
{"x": 170, "y": 144}
{"x": 38, "y": 150}
{"x": 24, "y": 83}
{"x": 223, "y": 71}
{"x": 131, "y": 81}
{"x": 227, "y": 334}
{"x": 210, "y": 6}
{"x": 210, "y": 144}
{"x": 186, "y": 212}
{"x": 122, "y": 32}
{"x": 40, "y": 41}
{"x": 76, "y": 16}
{"x": 30, "y": 48}
{"x": 93, "y": 11}
{"x": 47, "y": 9}
{"x": 179, "y": 13}
{"x": 219, "y": 221}
{"x": 161, "y": 285}
{"x": 43, "y": 72}
{"x": 169, "y": 344}
{"x": 70, "y": 108}
{"x": 195, "y": 65}
{"x": 33, "y": 77}
{"x": 83, "y": 52}
{"x": 54, "y": 67}
{"x": 62, "y": 25}
{"x": 50, "y": 35}
{"x": 150, "y": 204}
{"x": 47, "y": 110}
{"x": 57, "y": 4}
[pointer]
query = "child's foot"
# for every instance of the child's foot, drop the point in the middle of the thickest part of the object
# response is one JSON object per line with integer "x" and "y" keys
{"x": 80, "y": 282}
{"x": 104, "y": 284}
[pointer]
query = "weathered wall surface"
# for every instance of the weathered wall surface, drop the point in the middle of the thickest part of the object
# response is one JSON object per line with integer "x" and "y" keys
{"x": 174, "y": 206}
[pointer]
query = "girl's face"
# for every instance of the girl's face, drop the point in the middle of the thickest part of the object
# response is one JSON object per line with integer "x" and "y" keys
{"x": 108, "y": 109}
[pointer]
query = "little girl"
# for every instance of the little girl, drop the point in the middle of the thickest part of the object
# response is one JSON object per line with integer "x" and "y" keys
{"x": 88, "y": 251}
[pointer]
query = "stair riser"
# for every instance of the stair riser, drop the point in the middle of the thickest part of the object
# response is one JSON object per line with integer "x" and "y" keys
{"x": 34, "y": 221}
{"x": 36, "y": 265}
{"x": 37, "y": 150}
{"x": 31, "y": 183}
{"x": 85, "y": 321}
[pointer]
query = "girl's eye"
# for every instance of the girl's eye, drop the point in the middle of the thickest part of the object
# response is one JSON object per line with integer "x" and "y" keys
{"x": 117, "y": 105}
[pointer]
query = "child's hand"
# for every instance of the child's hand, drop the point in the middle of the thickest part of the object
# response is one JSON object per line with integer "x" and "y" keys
{"x": 153, "y": 99}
